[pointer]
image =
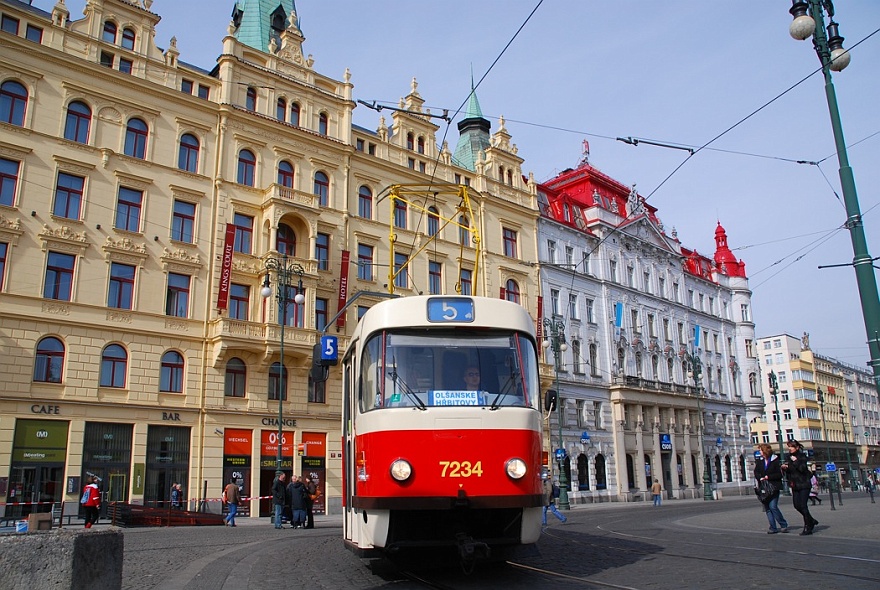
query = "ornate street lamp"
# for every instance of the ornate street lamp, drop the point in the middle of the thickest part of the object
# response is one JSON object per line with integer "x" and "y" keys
{"x": 284, "y": 269}
{"x": 809, "y": 21}
{"x": 556, "y": 331}
{"x": 774, "y": 391}
{"x": 833, "y": 475}
{"x": 844, "y": 419}
{"x": 695, "y": 372}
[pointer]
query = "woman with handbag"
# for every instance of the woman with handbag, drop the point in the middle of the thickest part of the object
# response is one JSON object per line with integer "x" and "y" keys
{"x": 768, "y": 484}
{"x": 795, "y": 468}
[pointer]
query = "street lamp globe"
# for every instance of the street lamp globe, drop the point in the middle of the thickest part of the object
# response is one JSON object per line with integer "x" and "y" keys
{"x": 266, "y": 291}
{"x": 299, "y": 299}
{"x": 840, "y": 57}
{"x": 803, "y": 24}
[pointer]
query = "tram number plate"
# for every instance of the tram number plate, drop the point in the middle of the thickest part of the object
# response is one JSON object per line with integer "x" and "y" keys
{"x": 461, "y": 469}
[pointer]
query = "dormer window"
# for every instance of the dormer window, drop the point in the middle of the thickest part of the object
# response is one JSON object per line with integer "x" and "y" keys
{"x": 109, "y": 34}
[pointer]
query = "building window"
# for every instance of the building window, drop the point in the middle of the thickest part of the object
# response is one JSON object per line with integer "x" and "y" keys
{"x": 277, "y": 382}
{"x": 746, "y": 314}
{"x": 652, "y": 329}
{"x": 183, "y": 221}
{"x": 433, "y": 221}
{"x": 435, "y": 278}
{"x": 410, "y": 138}
{"x": 511, "y": 291}
{"x": 128, "y": 38}
{"x": 323, "y": 123}
{"x": 573, "y": 306}
{"x": 554, "y": 302}
{"x": 464, "y": 232}
{"x": 188, "y": 154}
{"x": 120, "y": 295}
{"x": 420, "y": 145}
{"x": 509, "y": 238}
{"x": 114, "y": 364}
{"x": 177, "y": 296}
{"x": 34, "y": 34}
{"x": 59, "y": 276}
{"x": 13, "y": 100}
{"x": 317, "y": 391}
{"x": 294, "y": 114}
{"x": 465, "y": 281}
{"x": 576, "y": 357}
{"x": 401, "y": 271}
{"x": 589, "y": 310}
{"x": 244, "y": 233}
{"x": 322, "y": 188}
{"x": 107, "y": 59}
{"x": 399, "y": 213}
{"x": 365, "y": 202}
{"x": 136, "y": 139}
{"x": 8, "y": 181}
{"x": 204, "y": 92}
{"x": 128, "y": 209}
{"x": 285, "y": 174}
{"x": 68, "y": 196}
{"x": 4, "y": 247}
{"x": 630, "y": 276}
{"x": 293, "y": 313}
{"x": 49, "y": 361}
{"x": 594, "y": 360}
{"x": 247, "y": 168}
{"x": 186, "y": 86}
{"x": 281, "y": 109}
{"x": 322, "y": 311}
{"x": 250, "y": 101}
{"x": 322, "y": 251}
{"x": 239, "y": 302}
{"x": 109, "y": 34}
{"x": 125, "y": 65}
{"x": 9, "y": 24}
{"x": 285, "y": 240}
{"x": 661, "y": 287}
{"x": 359, "y": 144}
{"x": 171, "y": 374}
{"x": 235, "y": 383}
{"x": 365, "y": 262}
{"x": 551, "y": 251}
{"x": 612, "y": 271}
{"x": 78, "y": 122}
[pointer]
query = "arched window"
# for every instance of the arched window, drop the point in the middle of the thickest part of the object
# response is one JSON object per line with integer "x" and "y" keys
{"x": 410, "y": 139}
{"x": 251, "y": 99}
{"x": 136, "y": 139}
{"x": 277, "y": 382}
{"x": 601, "y": 481}
{"x": 188, "y": 154}
{"x": 294, "y": 114}
{"x": 114, "y": 365}
{"x": 128, "y": 38}
{"x": 639, "y": 364}
{"x": 236, "y": 378}
{"x": 322, "y": 188}
{"x": 433, "y": 221}
{"x": 670, "y": 370}
{"x": 753, "y": 385}
{"x": 583, "y": 467}
{"x": 109, "y": 34}
{"x": 285, "y": 242}
{"x": 285, "y": 174}
{"x": 171, "y": 375}
{"x": 247, "y": 167}
{"x": 630, "y": 473}
{"x": 728, "y": 468}
{"x": 49, "y": 362}
{"x": 655, "y": 367}
{"x": 510, "y": 177}
{"x": 281, "y": 110}
{"x": 365, "y": 202}
{"x": 13, "y": 100}
{"x": 323, "y": 123}
{"x": 594, "y": 360}
{"x": 511, "y": 292}
{"x": 464, "y": 233}
{"x": 576, "y": 356}
{"x": 421, "y": 145}
{"x": 718, "y": 474}
{"x": 79, "y": 120}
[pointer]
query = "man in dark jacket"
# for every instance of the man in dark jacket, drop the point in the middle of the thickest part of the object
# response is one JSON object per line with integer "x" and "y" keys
{"x": 279, "y": 497}
{"x": 296, "y": 494}
{"x": 312, "y": 495}
{"x": 799, "y": 474}
{"x": 768, "y": 471}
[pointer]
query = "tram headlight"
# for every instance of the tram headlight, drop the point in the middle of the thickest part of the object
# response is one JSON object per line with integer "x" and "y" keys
{"x": 401, "y": 470}
{"x": 516, "y": 468}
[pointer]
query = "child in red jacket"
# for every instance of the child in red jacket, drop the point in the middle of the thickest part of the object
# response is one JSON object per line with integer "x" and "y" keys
{"x": 91, "y": 500}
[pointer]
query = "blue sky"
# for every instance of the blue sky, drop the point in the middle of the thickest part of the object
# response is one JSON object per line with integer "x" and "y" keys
{"x": 677, "y": 71}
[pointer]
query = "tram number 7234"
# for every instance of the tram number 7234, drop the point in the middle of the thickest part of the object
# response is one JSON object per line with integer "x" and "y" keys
{"x": 461, "y": 469}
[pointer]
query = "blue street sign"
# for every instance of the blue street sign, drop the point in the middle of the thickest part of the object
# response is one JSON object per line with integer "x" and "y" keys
{"x": 758, "y": 454}
{"x": 560, "y": 454}
{"x": 585, "y": 437}
{"x": 718, "y": 441}
{"x": 329, "y": 350}
{"x": 665, "y": 442}
{"x": 830, "y": 467}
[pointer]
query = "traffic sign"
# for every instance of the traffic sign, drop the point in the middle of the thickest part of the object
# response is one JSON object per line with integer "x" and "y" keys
{"x": 830, "y": 467}
{"x": 560, "y": 454}
{"x": 585, "y": 437}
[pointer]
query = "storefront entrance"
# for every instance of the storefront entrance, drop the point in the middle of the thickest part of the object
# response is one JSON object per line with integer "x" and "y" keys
{"x": 167, "y": 463}
{"x": 107, "y": 454}
{"x": 36, "y": 477}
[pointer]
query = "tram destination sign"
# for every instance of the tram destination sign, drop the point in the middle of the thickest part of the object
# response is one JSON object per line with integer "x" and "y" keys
{"x": 450, "y": 309}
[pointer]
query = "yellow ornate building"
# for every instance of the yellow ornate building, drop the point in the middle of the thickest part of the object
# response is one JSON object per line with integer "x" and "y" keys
{"x": 142, "y": 202}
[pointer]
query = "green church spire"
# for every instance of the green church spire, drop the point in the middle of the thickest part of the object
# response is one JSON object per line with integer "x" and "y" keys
{"x": 258, "y": 21}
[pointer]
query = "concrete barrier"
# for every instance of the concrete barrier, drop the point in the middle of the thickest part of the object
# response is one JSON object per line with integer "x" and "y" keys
{"x": 62, "y": 560}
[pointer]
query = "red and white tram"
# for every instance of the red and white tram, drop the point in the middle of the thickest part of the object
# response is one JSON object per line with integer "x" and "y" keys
{"x": 430, "y": 460}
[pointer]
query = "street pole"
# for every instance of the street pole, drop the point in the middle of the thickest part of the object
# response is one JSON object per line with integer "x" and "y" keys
{"x": 696, "y": 372}
{"x": 284, "y": 270}
{"x": 834, "y": 58}
{"x": 774, "y": 391}
{"x": 557, "y": 341}
{"x": 821, "y": 397}
{"x": 844, "y": 419}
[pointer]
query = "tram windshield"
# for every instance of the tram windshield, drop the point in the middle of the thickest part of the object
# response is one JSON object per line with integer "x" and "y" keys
{"x": 422, "y": 369}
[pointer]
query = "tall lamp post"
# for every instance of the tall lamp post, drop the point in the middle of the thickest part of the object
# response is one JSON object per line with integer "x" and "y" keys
{"x": 774, "y": 392}
{"x": 556, "y": 330}
{"x": 809, "y": 21}
{"x": 695, "y": 372}
{"x": 832, "y": 476}
{"x": 844, "y": 419}
{"x": 284, "y": 269}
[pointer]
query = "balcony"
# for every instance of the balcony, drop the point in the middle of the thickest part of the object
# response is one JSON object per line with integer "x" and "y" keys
{"x": 282, "y": 194}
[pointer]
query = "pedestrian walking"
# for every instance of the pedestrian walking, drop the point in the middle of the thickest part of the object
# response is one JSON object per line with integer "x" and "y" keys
{"x": 232, "y": 497}
{"x": 869, "y": 488}
{"x": 279, "y": 497}
{"x": 656, "y": 491}
{"x": 176, "y": 496}
{"x": 814, "y": 490}
{"x": 551, "y": 492}
{"x": 91, "y": 500}
{"x": 296, "y": 495}
{"x": 795, "y": 468}
{"x": 313, "y": 494}
{"x": 768, "y": 473}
